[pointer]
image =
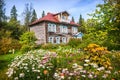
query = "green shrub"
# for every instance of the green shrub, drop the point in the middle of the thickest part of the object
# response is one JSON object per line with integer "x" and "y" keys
{"x": 27, "y": 41}
{"x": 49, "y": 46}
{"x": 74, "y": 42}
{"x": 26, "y": 48}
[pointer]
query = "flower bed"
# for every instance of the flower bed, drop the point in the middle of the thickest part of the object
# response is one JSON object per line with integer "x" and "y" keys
{"x": 64, "y": 64}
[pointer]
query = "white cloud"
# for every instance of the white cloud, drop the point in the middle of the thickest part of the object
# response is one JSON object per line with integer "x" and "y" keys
{"x": 74, "y": 7}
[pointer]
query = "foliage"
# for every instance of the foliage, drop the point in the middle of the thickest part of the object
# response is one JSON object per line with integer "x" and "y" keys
{"x": 43, "y": 13}
{"x": 73, "y": 19}
{"x": 108, "y": 18}
{"x": 74, "y": 42}
{"x": 81, "y": 22}
{"x": 28, "y": 41}
{"x": 52, "y": 65}
{"x": 34, "y": 16}
{"x": 96, "y": 54}
{"x": 27, "y": 15}
{"x": 7, "y": 44}
{"x": 13, "y": 13}
{"x": 27, "y": 38}
{"x": 2, "y": 11}
{"x": 33, "y": 65}
{"x": 49, "y": 46}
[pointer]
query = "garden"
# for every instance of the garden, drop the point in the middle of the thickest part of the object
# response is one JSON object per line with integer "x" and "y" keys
{"x": 94, "y": 57}
{"x": 64, "y": 63}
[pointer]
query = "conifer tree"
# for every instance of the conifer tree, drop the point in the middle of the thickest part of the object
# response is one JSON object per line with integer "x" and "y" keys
{"x": 2, "y": 11}
{"x": 13, "y": 13}
{"x": 73, "y": 19}
{"x": 43, "y": 13}
{"x": 34, "y": 16}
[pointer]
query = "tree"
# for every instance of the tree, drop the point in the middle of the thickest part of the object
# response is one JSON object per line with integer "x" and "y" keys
{"x": 28, "y": 41}
{"x": 27, "y": 15}
{"x": 34, "y": 16}
{"x": 13, "y": 13}
{"x": 73, "y": 19}
{"x": 2, "y": 11}
{"x": 81, "y": 22}
{"x": 108, "y": 16}
{"x": 43, "y": 13}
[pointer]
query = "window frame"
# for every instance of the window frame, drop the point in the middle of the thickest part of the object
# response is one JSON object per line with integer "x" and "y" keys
{"x": 64, "y": 39}
{"x": 74, "y": 29}
{"x": 57, "y": 38}
{"x": 51, "y": 27}
{"x": 51, "y": 39}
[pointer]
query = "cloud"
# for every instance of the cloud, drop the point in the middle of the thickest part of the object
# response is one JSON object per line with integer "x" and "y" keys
{"x": 74, "y": 7}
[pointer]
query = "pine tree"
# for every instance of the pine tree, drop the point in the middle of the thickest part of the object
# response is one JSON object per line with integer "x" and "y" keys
{"x": 80, "y": 20}
{"x": 73, "y": 19}
{"x": 2, "y": 11}
{"x": 34, "y": 16}
{"x": 13, "y": 13}
{"x": 43, "y": 13}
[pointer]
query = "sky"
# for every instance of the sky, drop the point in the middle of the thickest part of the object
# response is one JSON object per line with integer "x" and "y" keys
{"x": 73, "y": 7}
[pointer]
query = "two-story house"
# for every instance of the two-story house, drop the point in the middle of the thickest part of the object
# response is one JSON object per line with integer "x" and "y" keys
{"x": 54, "y": 28}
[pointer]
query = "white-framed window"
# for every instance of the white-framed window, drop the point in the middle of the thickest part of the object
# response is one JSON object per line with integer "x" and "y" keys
{"x": 51, "y": 39}
{"x": 63, "y": 17}
{"x": 74, "y": 29}
{"x": 51, "y": 27}
{"x": 64, "y": 40}
{"x": 63, "y": 29}
{"x": 58, "y": 40}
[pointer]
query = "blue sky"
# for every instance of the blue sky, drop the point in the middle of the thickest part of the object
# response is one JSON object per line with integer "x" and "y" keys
{"x": 74, "y": 7}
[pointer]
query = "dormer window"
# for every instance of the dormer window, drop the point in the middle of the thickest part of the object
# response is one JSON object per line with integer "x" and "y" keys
{"x": 64, "y": 17}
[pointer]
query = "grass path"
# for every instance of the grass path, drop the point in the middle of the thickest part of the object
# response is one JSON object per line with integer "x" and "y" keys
{"x": 4, "y": 61}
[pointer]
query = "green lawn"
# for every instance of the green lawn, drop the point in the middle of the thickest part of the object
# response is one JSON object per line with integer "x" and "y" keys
{"x": 4, "y": 61}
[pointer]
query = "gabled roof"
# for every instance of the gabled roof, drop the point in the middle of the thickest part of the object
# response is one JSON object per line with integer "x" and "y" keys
{"x": 50, "y": 17}
{"x": 62, "y": 12}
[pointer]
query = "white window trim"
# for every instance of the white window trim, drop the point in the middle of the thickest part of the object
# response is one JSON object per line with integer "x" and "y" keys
{"x": 51, "y": 39}
{"x": 57, "y": 38}
{"x": 63, "y": 29}
{"x": 74, "y": 29}
{"x": 64, "y": 39}
{"x": 51, "y": 27}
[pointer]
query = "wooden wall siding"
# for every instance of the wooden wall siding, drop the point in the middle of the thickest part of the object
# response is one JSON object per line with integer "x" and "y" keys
{"x": 40, "y": 33}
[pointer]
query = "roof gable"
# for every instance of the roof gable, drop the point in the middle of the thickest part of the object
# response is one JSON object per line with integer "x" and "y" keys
{"x": 51, "y": 18}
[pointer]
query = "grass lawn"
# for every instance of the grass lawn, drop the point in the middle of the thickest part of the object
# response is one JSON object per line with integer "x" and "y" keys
{"x": 4, "y": 61}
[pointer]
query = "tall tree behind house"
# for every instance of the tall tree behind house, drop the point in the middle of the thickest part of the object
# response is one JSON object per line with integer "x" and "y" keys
{"x": 43, "y": 13}
{"x": 34, "y": 16}
{"x": 27, "y": 15}
{"x": 82, "y": 24}
{"x": 13, "y": 13}
{"x": 73, "y": 19}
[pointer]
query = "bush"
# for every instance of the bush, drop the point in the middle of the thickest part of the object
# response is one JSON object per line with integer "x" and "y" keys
{"x": 74, "y": 42}
{"x": 26, "y": 48}
{"x": 49, "y": 46}
{"x": 27, "y": 41}
{"x": 97, "y": 55}
{"x": 7, "y": 44}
